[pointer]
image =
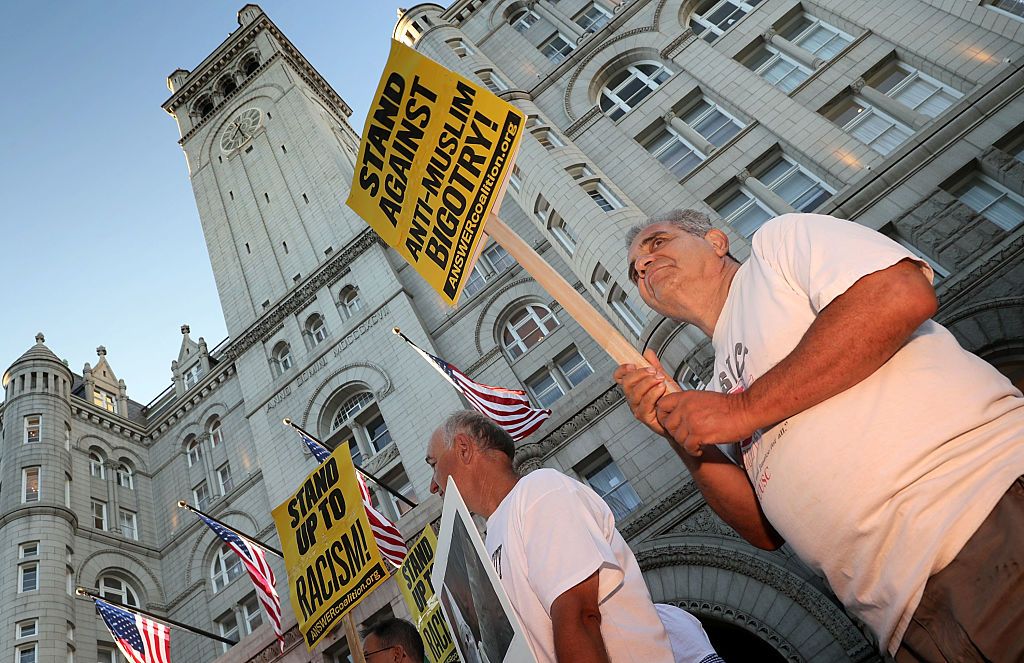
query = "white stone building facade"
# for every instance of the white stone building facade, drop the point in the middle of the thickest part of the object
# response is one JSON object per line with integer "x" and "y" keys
{"x": 904, "y": 116}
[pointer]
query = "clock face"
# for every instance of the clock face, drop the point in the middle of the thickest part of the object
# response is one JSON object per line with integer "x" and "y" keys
{"x": 240, "y": 129}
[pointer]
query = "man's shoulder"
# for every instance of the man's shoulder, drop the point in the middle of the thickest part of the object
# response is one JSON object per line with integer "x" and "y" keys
{"x": 544, "y": 480}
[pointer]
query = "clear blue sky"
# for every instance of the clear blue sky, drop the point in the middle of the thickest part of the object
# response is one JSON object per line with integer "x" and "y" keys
{"x": 101, "y": 242}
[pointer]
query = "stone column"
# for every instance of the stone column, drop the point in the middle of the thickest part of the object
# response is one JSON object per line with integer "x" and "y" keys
{"x": 766, "y": 195}
{"x": 688, "y": 133}
{"x": 570, "y": 30}
{"x": 890, "y": 106}
{"x": 801, "y": 55}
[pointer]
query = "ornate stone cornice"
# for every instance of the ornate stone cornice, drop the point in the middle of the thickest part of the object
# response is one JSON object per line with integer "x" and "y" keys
{"x": 529, "y": 455}
{"x": 214, "y": 381}
{"x": 994, "y": 260}
{"x": 785, "y": 582}
{"x": 645, "y": 519}
{"x": 678, "y": 44}
{"x": 272, "y": 652}
{"x": 576, "y": 129}
{"x": 381, "y": 459}
{"x": 484, "y": 359}
{"x": 108, "y": 420}
{"x": 328, "y": 275}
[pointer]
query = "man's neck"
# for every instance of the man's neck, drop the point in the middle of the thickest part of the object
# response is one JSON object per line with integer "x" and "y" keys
{"x": 497, "y": 489}
{"x": 717, "y": 297}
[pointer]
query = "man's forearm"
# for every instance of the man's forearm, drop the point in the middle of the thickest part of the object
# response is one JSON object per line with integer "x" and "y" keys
{"x": 728, "y": 492}
{"x": 849, "y": 340}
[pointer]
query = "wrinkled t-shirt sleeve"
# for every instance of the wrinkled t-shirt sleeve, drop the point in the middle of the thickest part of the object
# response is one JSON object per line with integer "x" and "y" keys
{"x": 823, "y": 256}
{"x": 565, "y": 544}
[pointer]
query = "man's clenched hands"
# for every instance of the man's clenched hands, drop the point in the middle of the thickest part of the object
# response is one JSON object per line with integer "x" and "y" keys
{"x": 643, "y": 387}
{"x": 698, "y": 418}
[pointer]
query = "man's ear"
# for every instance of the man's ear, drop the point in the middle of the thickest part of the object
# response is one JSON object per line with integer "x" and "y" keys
{"x": 398, "y": 654}
{"x": 463, "y": 447}
{"x": 719, "y": 241}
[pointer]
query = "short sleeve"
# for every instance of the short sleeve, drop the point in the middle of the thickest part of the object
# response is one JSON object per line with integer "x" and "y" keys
{"x": 565, "y": 544}
{"x": 823, "y": 256}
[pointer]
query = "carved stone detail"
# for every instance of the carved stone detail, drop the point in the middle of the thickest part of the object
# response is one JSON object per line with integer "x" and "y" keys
{"x": 645, "y": 519}
{"x": 737, "y": 561}
{"x": 534, "y": 452}
{"x": 676, "y": 46}
{"x": 381, "y": 459}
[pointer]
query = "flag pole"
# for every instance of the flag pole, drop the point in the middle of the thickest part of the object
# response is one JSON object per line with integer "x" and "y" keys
{"x": 355, "y": 647}
{"x": 270, "y": 549}
{"x": 82, "y": 591}
{"x": 395, "y": 493}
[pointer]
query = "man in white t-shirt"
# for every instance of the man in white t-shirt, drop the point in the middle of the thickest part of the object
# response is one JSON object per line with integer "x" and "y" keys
{"x": 885, "y": 454}
{"x": 572, "y": 580}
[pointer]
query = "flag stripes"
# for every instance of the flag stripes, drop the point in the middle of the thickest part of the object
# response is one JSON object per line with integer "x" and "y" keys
{"x": 262, "y": 576}
{"x": 141, "y": 640}
{"x": 509, "y": 408}
{"x": 389, "y": 539}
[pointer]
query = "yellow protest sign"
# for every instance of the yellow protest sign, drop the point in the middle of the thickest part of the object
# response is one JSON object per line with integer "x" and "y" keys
{"x": 435, "y": 151}
{"x": 329, "y": 551}
{"x": 418, "y": 591}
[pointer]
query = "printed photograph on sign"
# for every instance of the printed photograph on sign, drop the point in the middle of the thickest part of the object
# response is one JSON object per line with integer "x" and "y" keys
{"x": 482, "y": 622}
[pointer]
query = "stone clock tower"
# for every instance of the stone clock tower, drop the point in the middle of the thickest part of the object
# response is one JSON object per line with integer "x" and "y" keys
{"x": 270, "y": 156}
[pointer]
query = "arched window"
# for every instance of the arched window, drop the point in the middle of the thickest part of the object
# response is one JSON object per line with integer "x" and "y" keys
{"x": 349, "y": 301}
{"x": 203, "y": 107}
{"x": 631, "y": 85}
{"x": 113, "y": 587}
{"x": 193, "y": 451}
{"x": 125, "y": 476}
{"x": 282, "y": 357}
{"x": 523, "y": 20}
{"x": 227, "y": 85}
{"x": 316, "y": 329}
{"x": 225, "y": 567}
{"x": 96, "y": 461}
{"x": 216, "y": 433}
{"x": 356, "y": 421}
{"x": 250, "y": 63}
{"x": 526, "y": 327}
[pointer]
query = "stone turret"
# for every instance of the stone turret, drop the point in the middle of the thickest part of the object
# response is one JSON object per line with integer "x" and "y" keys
{"x": 38, "y": 524}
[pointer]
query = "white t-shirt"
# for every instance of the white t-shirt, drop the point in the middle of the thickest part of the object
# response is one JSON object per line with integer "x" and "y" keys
{"x": 880, "y": 486}
{"x": 689, "y": 642}
{"x": 551, "y": 533}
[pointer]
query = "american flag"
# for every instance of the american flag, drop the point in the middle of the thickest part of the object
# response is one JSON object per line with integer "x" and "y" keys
{"x": 141, "y": 640}
{"x": 260, "y": 573}
{"x": 509, "y": 408}
{"x": 389, "y": 539}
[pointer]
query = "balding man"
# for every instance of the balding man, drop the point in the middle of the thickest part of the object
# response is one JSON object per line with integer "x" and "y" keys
{"x": 888, "y": 456}
{"x": 573, "y": 581}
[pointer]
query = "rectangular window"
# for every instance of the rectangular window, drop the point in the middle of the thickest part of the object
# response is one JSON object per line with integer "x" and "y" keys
{"x": 593, "y": 18}
{"x": 492, "y": 262}
{"x": 492, "y": 81}
{"x": 227, "y": 624}
{"x": 192, "y": 376}
{"x": 399, "y": 481}
{"x": 1014, "y": 8}
{"x": 461, "y": 48}
{"x": 105, "y": 400}
{"x": 225, "y": 480}
{"x": 33, "y": 426}
{"x": 744, "y": 211}
{"x": 30, "y": 485}
{"x": 674, "y": 152}
{"x": 544, "y": 388}
{"x": 67, "y": 490}
{"x": 991, "y": 199}
{"x": 28, "y": 577}
{"x": 28, "y": 550}
{"x": 252, "y": 613}
{"x": 711, "y": 122}
{"x": 129, "y": 525}
{"x": 607, "y": 480}
{"x": 105, "y": 655}
{"x": 869, "y": 125}
{"x": 914, "y": 89}
{"x": 563, "y": 233}
{"x": 27, "y": 654}
{"x": 27, "y": 629}
{"x": 525, "y": 20}
{"x": 99, "y": 514}
{"x": 796, "y": 186}
{"x": 600, "y": 194}
{"x": 573, "y": 367}
{"x": 777, "y": 69}
{"x": 557, "y": 47}
{"x": 625, "y": 310}
{"x": 816, "y": 36}
{"x": 602, "y": 280}
{"x": 548, "y": 139}
{"x": 515, "y": 179}
{"x": 201, "y": 494}
{"x": 712, "y": 18}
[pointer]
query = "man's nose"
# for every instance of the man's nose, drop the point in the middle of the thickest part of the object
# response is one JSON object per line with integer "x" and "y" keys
{"x": 641, "y": 264}
{"x": 434, "y": 488}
